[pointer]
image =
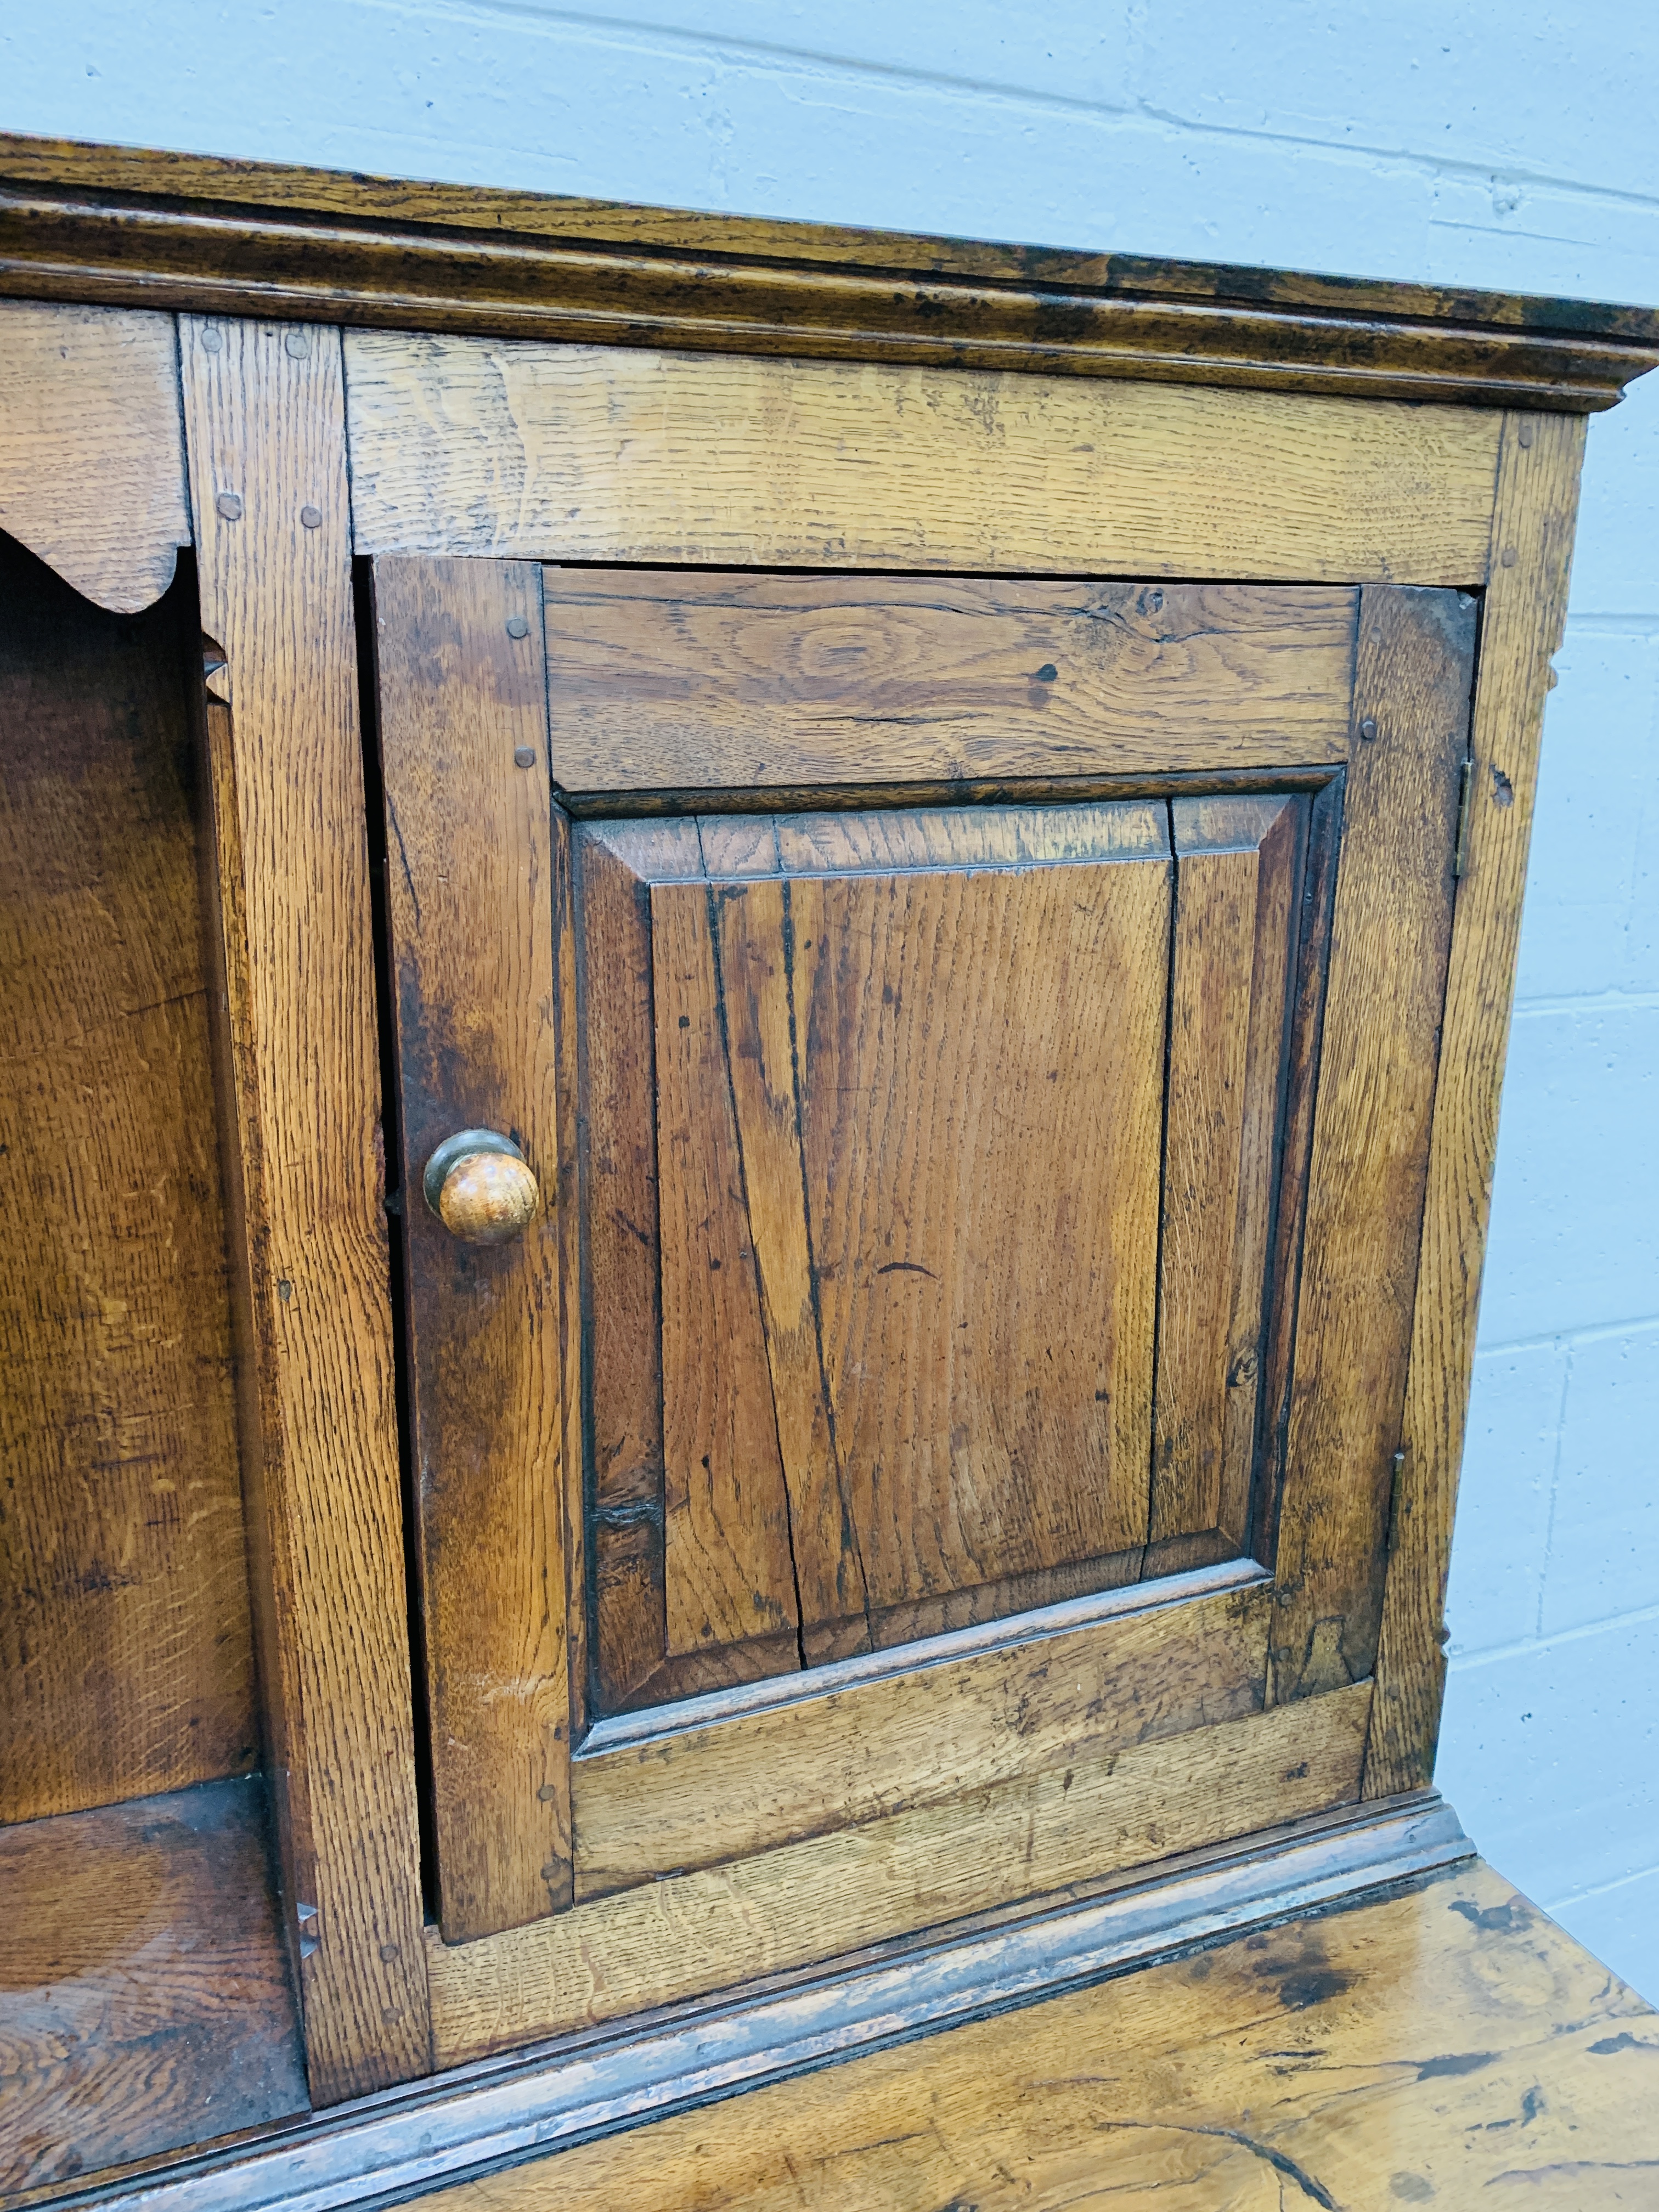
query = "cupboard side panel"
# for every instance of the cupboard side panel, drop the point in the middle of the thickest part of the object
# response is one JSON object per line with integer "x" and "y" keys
{"x": 1521, "y": 627}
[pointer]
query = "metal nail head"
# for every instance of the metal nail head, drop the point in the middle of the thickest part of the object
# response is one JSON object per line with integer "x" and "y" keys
{"x": 1368, "y": 729}
{"x": 524, "y": 757}
{"x": 298, "y": 343}
{"x": 227, "y": 504}
{"x": 211, "y": 340}
{"x": 311, "y": 518}
{"x": 517, "y": 626}
{"x": 1509, "y": 557}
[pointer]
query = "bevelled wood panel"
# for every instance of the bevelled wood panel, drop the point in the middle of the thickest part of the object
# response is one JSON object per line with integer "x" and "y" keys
{"x": 145, "y": 2004}
{"x": 907, "y": 1071}
{"x": 864, "y": 1738}
{"x": 92, "y": 447}
{"x": 563, "y": 452}
{"x": 126, "y": 1663}
{"x": 677, "y": 681}
{"x": 619, "y": 1496}
{"x": 462, "y": 733}
{"x": 1237, "y": 889}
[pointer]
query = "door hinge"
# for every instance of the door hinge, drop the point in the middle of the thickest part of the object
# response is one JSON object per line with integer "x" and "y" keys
{"x": 1395, "y": 1488}
{"x": 1465, "y": 787}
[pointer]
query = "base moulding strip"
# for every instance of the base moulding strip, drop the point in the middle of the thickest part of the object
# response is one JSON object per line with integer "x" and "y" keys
{"x": 401, "y": 2143}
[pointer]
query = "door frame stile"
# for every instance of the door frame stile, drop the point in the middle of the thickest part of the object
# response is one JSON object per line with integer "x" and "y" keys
{"x": 264, "y": 423}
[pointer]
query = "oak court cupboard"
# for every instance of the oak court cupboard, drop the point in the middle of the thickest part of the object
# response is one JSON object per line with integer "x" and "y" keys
{"x": 757, "y": 984}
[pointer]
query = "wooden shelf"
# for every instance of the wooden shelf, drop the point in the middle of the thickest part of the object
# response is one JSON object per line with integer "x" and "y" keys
{"x": 1451, "y": 2046}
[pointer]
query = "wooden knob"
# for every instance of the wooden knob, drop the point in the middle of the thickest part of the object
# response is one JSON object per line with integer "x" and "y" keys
{"x": 480, "y": 1187}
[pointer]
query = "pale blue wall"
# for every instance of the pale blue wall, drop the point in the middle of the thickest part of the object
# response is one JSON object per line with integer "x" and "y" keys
{"x": 1511, "y": 144}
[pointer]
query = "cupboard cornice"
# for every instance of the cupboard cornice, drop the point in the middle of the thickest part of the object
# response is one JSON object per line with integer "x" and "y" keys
{"x": 136, "y": 228}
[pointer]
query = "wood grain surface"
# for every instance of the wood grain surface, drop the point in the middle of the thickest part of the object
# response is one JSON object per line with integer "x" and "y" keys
{"x": 691, "y": 1933}
{"x": 144, "y": 1997}
{"x": 183, "y": 230}
{"x": 841, "y": 1164}
{"x": 1235, "y": 888}
{"x": 752, "y": 1500}
{"x": 1371, "y": 1143}
{"x": 559, "y": 453}
{"x": 125, "y": 1656}
{"x": 264, "y": 416}
{"x": 1449, "y": 2046}
{"x": 722, "y": 1787}
{"x": 681, "y": 681}
{"x": 91, "y": 448}
{"x": 1521, "y": 627}
{"x": 979, "y": 1097}
{"x": 463, "y": 734}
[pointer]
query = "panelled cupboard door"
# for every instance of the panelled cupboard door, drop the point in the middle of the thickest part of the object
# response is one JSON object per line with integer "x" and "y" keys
{"x": 920, "y": 1317}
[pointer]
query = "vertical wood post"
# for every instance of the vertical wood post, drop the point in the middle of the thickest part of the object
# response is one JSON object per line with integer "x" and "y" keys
{"x": 265, "y": 431}
{"x": 1525, "y": 607}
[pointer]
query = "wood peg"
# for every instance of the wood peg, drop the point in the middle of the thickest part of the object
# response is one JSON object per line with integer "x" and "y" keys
{"x": 480, "y": 1187}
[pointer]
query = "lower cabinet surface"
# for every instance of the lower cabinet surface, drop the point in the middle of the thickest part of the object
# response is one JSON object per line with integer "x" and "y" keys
{"x": 1351, "y": 2014}
{"x": 1449, "y": 2045}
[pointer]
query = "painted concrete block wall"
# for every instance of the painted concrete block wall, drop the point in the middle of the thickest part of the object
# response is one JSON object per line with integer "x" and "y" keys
{"x": 1510, "y": 146}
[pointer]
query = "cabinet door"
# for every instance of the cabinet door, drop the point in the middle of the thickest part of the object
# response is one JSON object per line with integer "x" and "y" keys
{"x": 975, "y": 1043}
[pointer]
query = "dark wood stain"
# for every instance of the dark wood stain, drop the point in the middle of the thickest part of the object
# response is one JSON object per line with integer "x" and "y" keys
{"x": 144, "y": 1997}
{"x": 621, "y": 1356}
